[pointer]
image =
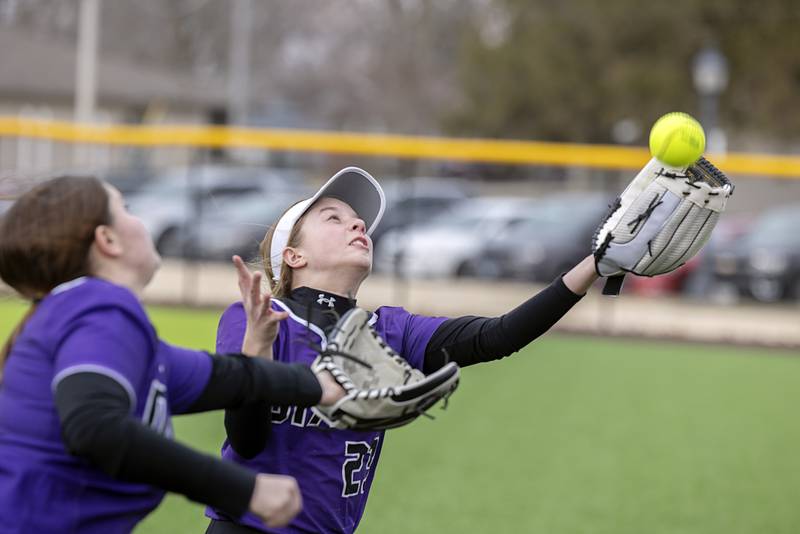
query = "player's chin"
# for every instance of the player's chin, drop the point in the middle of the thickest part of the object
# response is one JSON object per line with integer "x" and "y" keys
{"x": 361, "y": 258}
{"x": 151, "y": 268}
{"x": 357, "y": 251}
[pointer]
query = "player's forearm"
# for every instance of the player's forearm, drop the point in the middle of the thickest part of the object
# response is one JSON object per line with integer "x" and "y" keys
{"x": 237, "y": 380}
{"x": 581, "y": 277}
{"x": 248, "y": 428}
{"x": 96, "y": 425}
{"x": 253, "y": 346}
{"x": 471, "y": 340}
{"x": 247, "y": 387}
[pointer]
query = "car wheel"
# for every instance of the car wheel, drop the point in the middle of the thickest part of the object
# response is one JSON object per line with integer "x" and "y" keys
{"x": 489, "y": 269}
{"x": 466, "y": 269}
{"x": 169, "y": 244}
{"x": 724, "y": 293}
{"x": 766, "y": 289}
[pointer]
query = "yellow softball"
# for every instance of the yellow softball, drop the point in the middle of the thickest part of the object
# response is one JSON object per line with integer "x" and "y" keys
{"x": 677, "y": 139}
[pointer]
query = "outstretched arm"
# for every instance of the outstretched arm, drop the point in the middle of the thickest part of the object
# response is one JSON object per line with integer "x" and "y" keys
{"x": 469, "y": 340}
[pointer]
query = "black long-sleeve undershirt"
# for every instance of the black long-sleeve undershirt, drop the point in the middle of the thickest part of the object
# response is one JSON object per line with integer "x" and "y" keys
{"x": 237, "y": 380}
{"x": 96, "y": 424}
{"x": 248, "y": 428}
{"x": 466, "y": 340}
{"x": 469, "y": 340}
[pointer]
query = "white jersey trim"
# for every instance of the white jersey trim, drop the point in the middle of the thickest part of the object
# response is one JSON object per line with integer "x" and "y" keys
{"x": 66, "y": 286}
{"x": 100, "y": 370}
{"x": 311, "y": 326}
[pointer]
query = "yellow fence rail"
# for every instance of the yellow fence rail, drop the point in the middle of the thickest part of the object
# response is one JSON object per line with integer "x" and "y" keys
{"x": 382, "y": 145}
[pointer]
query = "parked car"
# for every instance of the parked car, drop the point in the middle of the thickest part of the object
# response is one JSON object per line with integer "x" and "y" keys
{"x": 765, "y": 262}
{"x": 552, "y": 238}
{"x": 444, "y": 246}
{"x": 416, "y": 201}
{"x": 236, "y": 226}
{"x": 176, "y": 199}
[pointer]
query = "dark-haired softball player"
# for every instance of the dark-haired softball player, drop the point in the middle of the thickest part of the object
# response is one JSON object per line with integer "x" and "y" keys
{"x": 316, "y": 257}
{"x": 88, "y": 389}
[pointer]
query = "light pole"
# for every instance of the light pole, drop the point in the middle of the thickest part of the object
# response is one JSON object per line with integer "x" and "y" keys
{"x": 241, "y": 29}
{"x": 710, "y": 74}
{"x": 86, "y": 62}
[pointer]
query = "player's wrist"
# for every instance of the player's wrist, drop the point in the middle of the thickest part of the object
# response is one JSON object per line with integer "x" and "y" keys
{"x": 581, "y": 277}
{"x": 253, "y": 346}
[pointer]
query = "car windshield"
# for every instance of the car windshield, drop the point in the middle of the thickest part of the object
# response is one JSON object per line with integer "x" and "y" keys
{"x": 461, "y": 221}
{"x": 777, "y": 228}
{"x": 472, "y": 214}
{"x": 256, "y": 209}
{"x": 166, "y": 186}
{"x": 560, "y": 217}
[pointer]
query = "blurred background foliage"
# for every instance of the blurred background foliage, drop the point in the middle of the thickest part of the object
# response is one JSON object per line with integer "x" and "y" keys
{"x": 567, "y": 71}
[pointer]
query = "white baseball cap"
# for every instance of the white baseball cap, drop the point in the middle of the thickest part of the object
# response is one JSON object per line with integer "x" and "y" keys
{"x": 351, "y": 185}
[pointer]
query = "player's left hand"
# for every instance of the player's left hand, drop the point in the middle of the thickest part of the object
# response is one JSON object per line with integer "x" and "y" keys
{"x": 262, "y": 320}
{"x": 276, "y": 499}
{"x": 331, "y": 390}
{"x": 382, "y": 389}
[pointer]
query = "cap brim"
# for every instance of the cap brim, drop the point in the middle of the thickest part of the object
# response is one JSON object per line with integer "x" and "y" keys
{"x": 358, "y": 189}
{"x": 353, "y": 186}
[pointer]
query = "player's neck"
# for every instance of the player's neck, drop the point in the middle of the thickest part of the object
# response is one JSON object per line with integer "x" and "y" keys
{"x": 121, "y": 277}
{"x": 345, "y": 283}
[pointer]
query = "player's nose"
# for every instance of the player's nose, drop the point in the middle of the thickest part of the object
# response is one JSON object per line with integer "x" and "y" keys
{"x": 359, "y": 225}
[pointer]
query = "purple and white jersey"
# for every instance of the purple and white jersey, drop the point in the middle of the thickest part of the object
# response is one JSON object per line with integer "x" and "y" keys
{"x": 334, "y": 468}
{"x": 86, "y": 325}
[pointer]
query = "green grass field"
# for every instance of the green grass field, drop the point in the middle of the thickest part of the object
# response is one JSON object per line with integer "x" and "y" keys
{"x": 574, "y": 435}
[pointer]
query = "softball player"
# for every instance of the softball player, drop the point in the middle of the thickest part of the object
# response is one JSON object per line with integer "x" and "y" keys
{"x": 88, "y": 389}
{"x": 316, "y": 257}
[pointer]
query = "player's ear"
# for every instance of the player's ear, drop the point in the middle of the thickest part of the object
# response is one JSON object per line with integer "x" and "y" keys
{"x": 106, "y": 241}
{"x": 294, "y": 258}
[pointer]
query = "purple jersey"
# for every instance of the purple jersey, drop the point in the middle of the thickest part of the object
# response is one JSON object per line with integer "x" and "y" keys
{"x": 334, "y": 468}
{"x": 87, "y": 325}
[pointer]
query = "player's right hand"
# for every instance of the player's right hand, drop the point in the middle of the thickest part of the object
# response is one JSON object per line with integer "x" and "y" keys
{"x": 262, "y": 320}
{"x": 276, "y": 499}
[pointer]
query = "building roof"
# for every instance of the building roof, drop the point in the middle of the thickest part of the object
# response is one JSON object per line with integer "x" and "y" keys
{"x": 34, "y": 69}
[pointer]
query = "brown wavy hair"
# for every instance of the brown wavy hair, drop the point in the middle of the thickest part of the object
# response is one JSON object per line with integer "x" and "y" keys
{"x": 46, "y": 235}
